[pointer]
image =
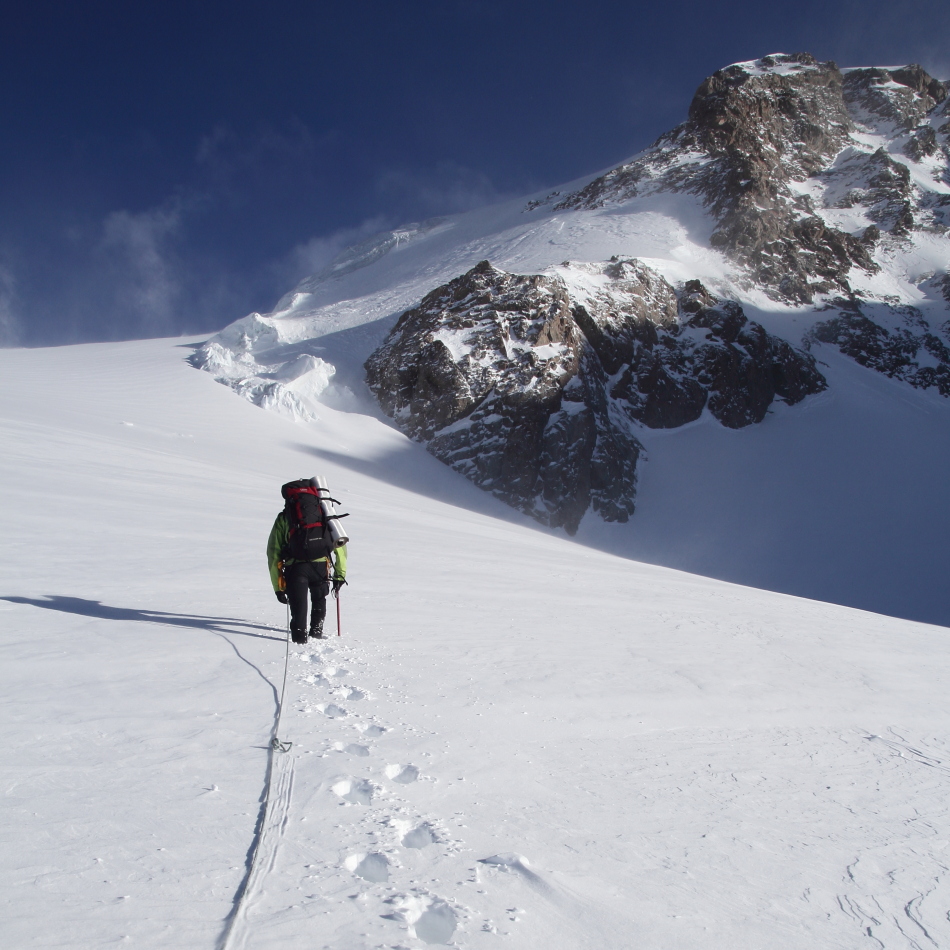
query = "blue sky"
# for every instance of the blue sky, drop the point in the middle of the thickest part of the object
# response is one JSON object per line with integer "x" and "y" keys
{"x": 167, "y": 167}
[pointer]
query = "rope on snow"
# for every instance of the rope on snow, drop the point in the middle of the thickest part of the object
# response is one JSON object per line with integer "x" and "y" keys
{"x": 275, "y": 743}
{"x": 275, "y": 746}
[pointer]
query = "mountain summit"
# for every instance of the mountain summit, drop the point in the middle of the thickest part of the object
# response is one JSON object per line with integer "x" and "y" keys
{"x": 792, "y": 159}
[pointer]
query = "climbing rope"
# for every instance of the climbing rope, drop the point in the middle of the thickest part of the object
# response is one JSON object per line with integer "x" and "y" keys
{"x": 275, "y": 743}
{"x": 275, "y": 746}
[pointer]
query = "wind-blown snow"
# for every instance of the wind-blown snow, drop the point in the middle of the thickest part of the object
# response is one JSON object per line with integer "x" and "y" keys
{"x": 518, "y": 742}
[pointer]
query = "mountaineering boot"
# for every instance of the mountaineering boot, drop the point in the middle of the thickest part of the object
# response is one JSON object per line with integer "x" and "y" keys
{"x": 298, "y": 636}
{"x": 316, "y": 630}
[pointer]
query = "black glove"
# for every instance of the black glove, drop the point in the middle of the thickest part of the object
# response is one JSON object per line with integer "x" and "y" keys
{"x": 281, "y": 595}
{"x": 338, "y": 582}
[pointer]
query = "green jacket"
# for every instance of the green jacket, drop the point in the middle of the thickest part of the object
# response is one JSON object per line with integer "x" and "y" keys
{"x": 276, "y": 543}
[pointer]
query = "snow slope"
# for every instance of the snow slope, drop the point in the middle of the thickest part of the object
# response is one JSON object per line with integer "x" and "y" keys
{"x": 518, "y": 742}
{"x": 842, "y": 498}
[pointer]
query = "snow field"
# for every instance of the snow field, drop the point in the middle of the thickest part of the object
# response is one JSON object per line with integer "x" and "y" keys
{"x": 518, "y": 742}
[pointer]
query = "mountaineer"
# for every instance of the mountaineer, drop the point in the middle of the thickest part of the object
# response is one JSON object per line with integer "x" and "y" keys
{"x": 303, "y": 555}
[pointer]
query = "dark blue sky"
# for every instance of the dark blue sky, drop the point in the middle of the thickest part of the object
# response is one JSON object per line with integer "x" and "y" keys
{"x": 167, "y": 167}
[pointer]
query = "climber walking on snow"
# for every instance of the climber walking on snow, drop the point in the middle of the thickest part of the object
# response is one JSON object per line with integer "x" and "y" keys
{"x": 306, "y": 553}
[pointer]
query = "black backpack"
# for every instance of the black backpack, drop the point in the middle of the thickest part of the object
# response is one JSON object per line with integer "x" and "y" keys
{"x": 309, "y": 538}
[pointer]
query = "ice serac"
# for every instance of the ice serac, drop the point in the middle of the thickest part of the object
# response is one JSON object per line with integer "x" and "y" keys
{"x": 533, "y": 386}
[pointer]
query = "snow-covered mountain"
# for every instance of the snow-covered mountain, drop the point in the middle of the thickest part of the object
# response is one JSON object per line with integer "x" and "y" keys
{"x": 729, "y": 354}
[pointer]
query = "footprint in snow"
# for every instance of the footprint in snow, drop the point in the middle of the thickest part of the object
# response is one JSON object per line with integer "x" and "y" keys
{"x": 352, "y": 748}
{"x": 354, "y": 791}
{"x": 348, "y": 692}
{"x": 420, "y": 837}
{"x": 432, "y": 920}
{"x": 332, "y": 710}
{"x": 437, "y": 923}
{"x": 404, "y": 774}
{"x": 371, "y": 867}
{"x": 371, "y": 732}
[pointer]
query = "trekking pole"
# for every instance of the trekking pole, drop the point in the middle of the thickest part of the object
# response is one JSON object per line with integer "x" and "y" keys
{"x": 338, "y": 612}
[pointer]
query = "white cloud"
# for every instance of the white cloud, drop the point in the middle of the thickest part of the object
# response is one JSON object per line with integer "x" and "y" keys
{"x": 314, "y": 255}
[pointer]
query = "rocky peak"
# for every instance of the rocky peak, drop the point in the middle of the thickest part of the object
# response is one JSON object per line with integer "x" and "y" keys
{"x": 916, "y": 77}
{"x": 763, "y": 147}
{"x": 753, "y": 129}
{"x": 755, "y": 112}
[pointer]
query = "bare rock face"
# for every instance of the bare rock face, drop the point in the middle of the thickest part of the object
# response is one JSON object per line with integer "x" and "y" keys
{"x": 497, "y": 334}
{"x": 752, "y": 130}
{"x": 711, "y": 356}
{"x": 765, "y": 147}
{"x": 876, "y": 183}
{"x": 534, "y": 386}
{"x": 492, "y": 371}
{"x": 898, "y": 343}
{"x": 903, "y": 97}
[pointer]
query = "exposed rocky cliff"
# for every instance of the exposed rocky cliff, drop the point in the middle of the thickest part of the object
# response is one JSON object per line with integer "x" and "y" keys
{"x": 898, "y": 342}
{"x": 770, "y": 146}
{"x": 533, "y": 386}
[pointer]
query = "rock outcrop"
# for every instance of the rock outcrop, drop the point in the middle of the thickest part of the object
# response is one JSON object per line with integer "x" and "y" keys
{"x": 717, "y": 359}
{"x": 534, "y": 386}
{"x": 903, "y": 98}
{"x": 492, "y": 371}
{"x": 899, "y": 343}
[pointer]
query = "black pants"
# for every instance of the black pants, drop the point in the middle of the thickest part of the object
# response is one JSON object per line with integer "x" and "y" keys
{"x": 302, "y": 577}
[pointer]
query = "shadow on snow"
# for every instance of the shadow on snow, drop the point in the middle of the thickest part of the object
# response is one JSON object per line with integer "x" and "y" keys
{"x": 93, "y": 608}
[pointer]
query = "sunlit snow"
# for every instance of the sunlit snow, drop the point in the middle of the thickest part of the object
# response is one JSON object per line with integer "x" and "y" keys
{"x": 518, "y": 741}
